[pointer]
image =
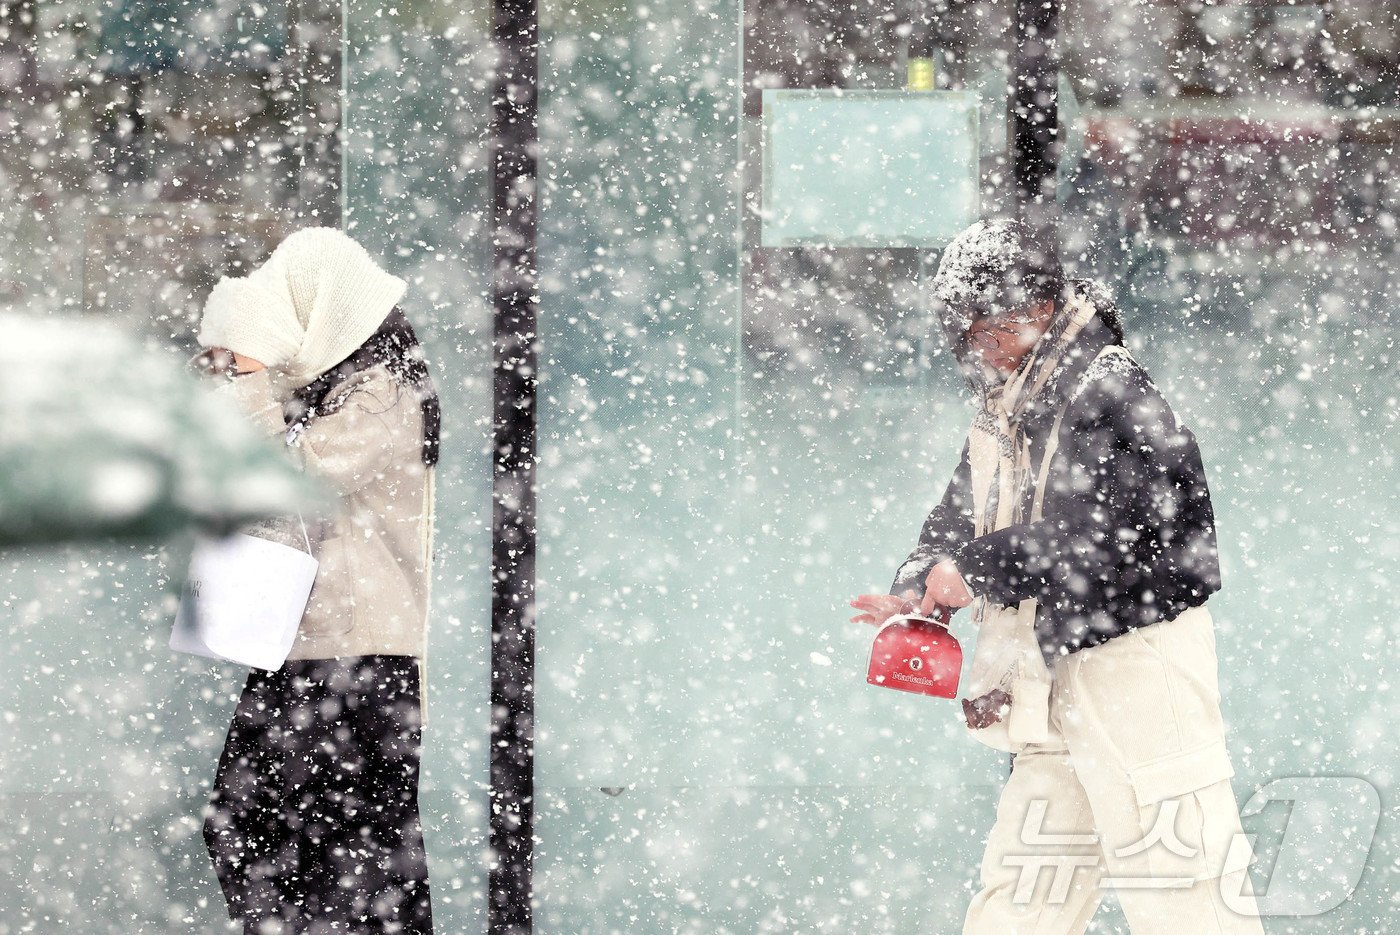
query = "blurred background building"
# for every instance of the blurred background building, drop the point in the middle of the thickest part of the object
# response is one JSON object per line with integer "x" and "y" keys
{"x": 736, "y": 439}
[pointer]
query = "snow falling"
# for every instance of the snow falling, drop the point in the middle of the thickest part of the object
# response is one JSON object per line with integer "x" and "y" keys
{"x": 735, "y": 439}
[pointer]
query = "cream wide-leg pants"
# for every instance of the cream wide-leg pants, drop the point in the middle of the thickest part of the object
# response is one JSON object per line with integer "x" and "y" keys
{"x": 1131, "y": 793}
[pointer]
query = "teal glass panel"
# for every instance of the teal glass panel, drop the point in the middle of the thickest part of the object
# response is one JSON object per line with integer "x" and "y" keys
{"x": 868, "y": 168}
{"x": 163, "y": 35}
{"x": 418, "y": 196}
{"x": 638, "y": 481}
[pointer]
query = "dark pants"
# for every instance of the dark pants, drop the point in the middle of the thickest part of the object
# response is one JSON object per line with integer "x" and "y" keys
{"x": 313, "y": 824}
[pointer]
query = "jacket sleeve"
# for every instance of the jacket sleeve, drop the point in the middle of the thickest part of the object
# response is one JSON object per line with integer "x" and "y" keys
{"x": 353, "y": 446}
{"x": 1133, "y": 532}
{"x": 350, "y": 448}
{"x": 252, "y": 394}
{"x": 948, "y": 526}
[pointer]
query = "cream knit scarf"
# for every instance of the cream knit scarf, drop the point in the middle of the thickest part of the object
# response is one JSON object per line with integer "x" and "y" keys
{"x": 1009, "y": 685}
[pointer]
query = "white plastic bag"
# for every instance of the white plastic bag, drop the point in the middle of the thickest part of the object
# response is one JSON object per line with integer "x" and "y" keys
{"x": 243, "y": 600}
{"x": 1007, "y": 657}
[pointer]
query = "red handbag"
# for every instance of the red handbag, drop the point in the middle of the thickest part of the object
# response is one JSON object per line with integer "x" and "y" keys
{"x": 913, "y": 653}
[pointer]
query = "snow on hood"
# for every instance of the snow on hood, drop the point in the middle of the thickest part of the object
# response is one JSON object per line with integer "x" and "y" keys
{"x": 972, "y": 269}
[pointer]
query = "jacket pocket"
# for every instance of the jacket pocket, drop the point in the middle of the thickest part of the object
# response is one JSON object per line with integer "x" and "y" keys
{"x": 1187, "y": 812}
{"x": 330, "y": 610}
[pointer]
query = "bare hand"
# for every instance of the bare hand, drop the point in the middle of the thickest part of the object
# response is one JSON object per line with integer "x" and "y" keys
{"x": 877, "y": 608}
{"x": 945, "y": 588}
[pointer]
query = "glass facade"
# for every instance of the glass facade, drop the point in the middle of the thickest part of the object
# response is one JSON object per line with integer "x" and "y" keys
{"x": 734, "y": 439}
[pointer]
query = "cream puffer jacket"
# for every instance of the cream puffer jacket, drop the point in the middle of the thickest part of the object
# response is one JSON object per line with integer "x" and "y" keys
{"x": 372, "y": 588}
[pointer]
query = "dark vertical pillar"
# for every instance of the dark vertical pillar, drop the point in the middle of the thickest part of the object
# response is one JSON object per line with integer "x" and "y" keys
{"x": 1035, "y": 72}
{"x": 318, "y": 111}
{"x": 513, "y": 225}
{"x": 1034, "y": 136}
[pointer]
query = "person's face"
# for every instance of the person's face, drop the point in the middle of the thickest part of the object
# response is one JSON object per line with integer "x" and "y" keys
{"x": 1001, "y": 340}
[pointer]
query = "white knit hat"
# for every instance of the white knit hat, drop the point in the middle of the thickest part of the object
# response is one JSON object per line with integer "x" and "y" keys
{"x": 316, "y": 299}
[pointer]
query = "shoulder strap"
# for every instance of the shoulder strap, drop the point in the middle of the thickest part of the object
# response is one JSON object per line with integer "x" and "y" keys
{"x": 1052, "y": 441}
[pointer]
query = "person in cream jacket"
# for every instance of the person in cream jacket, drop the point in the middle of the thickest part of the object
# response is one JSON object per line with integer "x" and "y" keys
{"x": 313, "y": 821}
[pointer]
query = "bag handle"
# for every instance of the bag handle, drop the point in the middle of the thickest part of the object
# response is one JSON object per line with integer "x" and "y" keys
{"x": 939, "y": 620}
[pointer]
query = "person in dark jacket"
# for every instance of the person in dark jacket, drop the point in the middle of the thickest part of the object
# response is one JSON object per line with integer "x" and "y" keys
{"x": 1078, "y": 527}
{"x": 1129, "y": 533}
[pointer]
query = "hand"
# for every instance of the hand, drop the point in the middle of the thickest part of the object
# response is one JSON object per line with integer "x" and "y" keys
{"x": 213, "y": 362}
{"x": 877, "y": 608}
{"x": 945, "y": 587}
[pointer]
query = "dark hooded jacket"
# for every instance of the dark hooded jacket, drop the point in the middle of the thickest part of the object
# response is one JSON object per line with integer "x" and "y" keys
{"x": 1128, "y": 534}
